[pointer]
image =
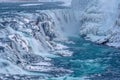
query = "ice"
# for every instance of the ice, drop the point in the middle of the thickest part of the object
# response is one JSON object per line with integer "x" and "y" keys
{"x": 99, "y": 21}
{"x": 66, "y": 2}
{"x": 31, "y": 4}
{"x": 33, "y": 40}
{"x": 37, "y": 36}
{"x": 7, "y": 67}
{"x": 60, "y": 46}
{"x": 115, "y": 44}
{"x": 97, "y": 39}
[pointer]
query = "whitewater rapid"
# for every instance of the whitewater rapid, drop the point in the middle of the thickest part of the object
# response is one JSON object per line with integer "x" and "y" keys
{"x": 37, "y": 42}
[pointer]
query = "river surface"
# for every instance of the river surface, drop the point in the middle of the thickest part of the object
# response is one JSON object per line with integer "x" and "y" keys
{"x": 89, "y": 61}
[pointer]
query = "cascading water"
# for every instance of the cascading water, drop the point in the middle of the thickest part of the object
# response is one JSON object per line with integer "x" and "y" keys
{"x": 42, "y": 42}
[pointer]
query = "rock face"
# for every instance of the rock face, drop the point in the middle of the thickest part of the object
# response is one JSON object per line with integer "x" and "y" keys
{"x": 100, "y": 22}
{"x": 26, "y": 38}
{"x": 29, "y": 40}
{"x": 23, "y": 37}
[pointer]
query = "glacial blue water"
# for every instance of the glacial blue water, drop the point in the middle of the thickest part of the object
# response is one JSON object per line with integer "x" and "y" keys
{"x": 89, "y": 60}
{"x": 98, "y": 62}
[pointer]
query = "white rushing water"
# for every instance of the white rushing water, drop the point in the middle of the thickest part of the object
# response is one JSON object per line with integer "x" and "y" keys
{"x": 28, "y": 40}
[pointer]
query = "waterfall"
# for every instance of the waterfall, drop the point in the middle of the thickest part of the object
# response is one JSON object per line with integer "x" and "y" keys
{"x": 27, "y": 35}
{"x": 29, "y": 40}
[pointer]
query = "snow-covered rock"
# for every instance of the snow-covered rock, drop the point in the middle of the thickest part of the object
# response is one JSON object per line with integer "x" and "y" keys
{"x": 100, "y": 22}
{"x": 27, "y": 37}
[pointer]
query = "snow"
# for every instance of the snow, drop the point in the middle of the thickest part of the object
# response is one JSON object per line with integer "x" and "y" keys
{"x": 17, "y": 38}
{"x": 24, "y": 5}
{"x": 99, "y": 22}
{"x": 66, "y": 2}
{"x": 38, "y": 33}
{"x": 97, "y": 39}
{"x": 60, "y": 46}
{"x": 17, "y": 0}
{"x": 10, "y": 68}
{"x": 117, "y": 44}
